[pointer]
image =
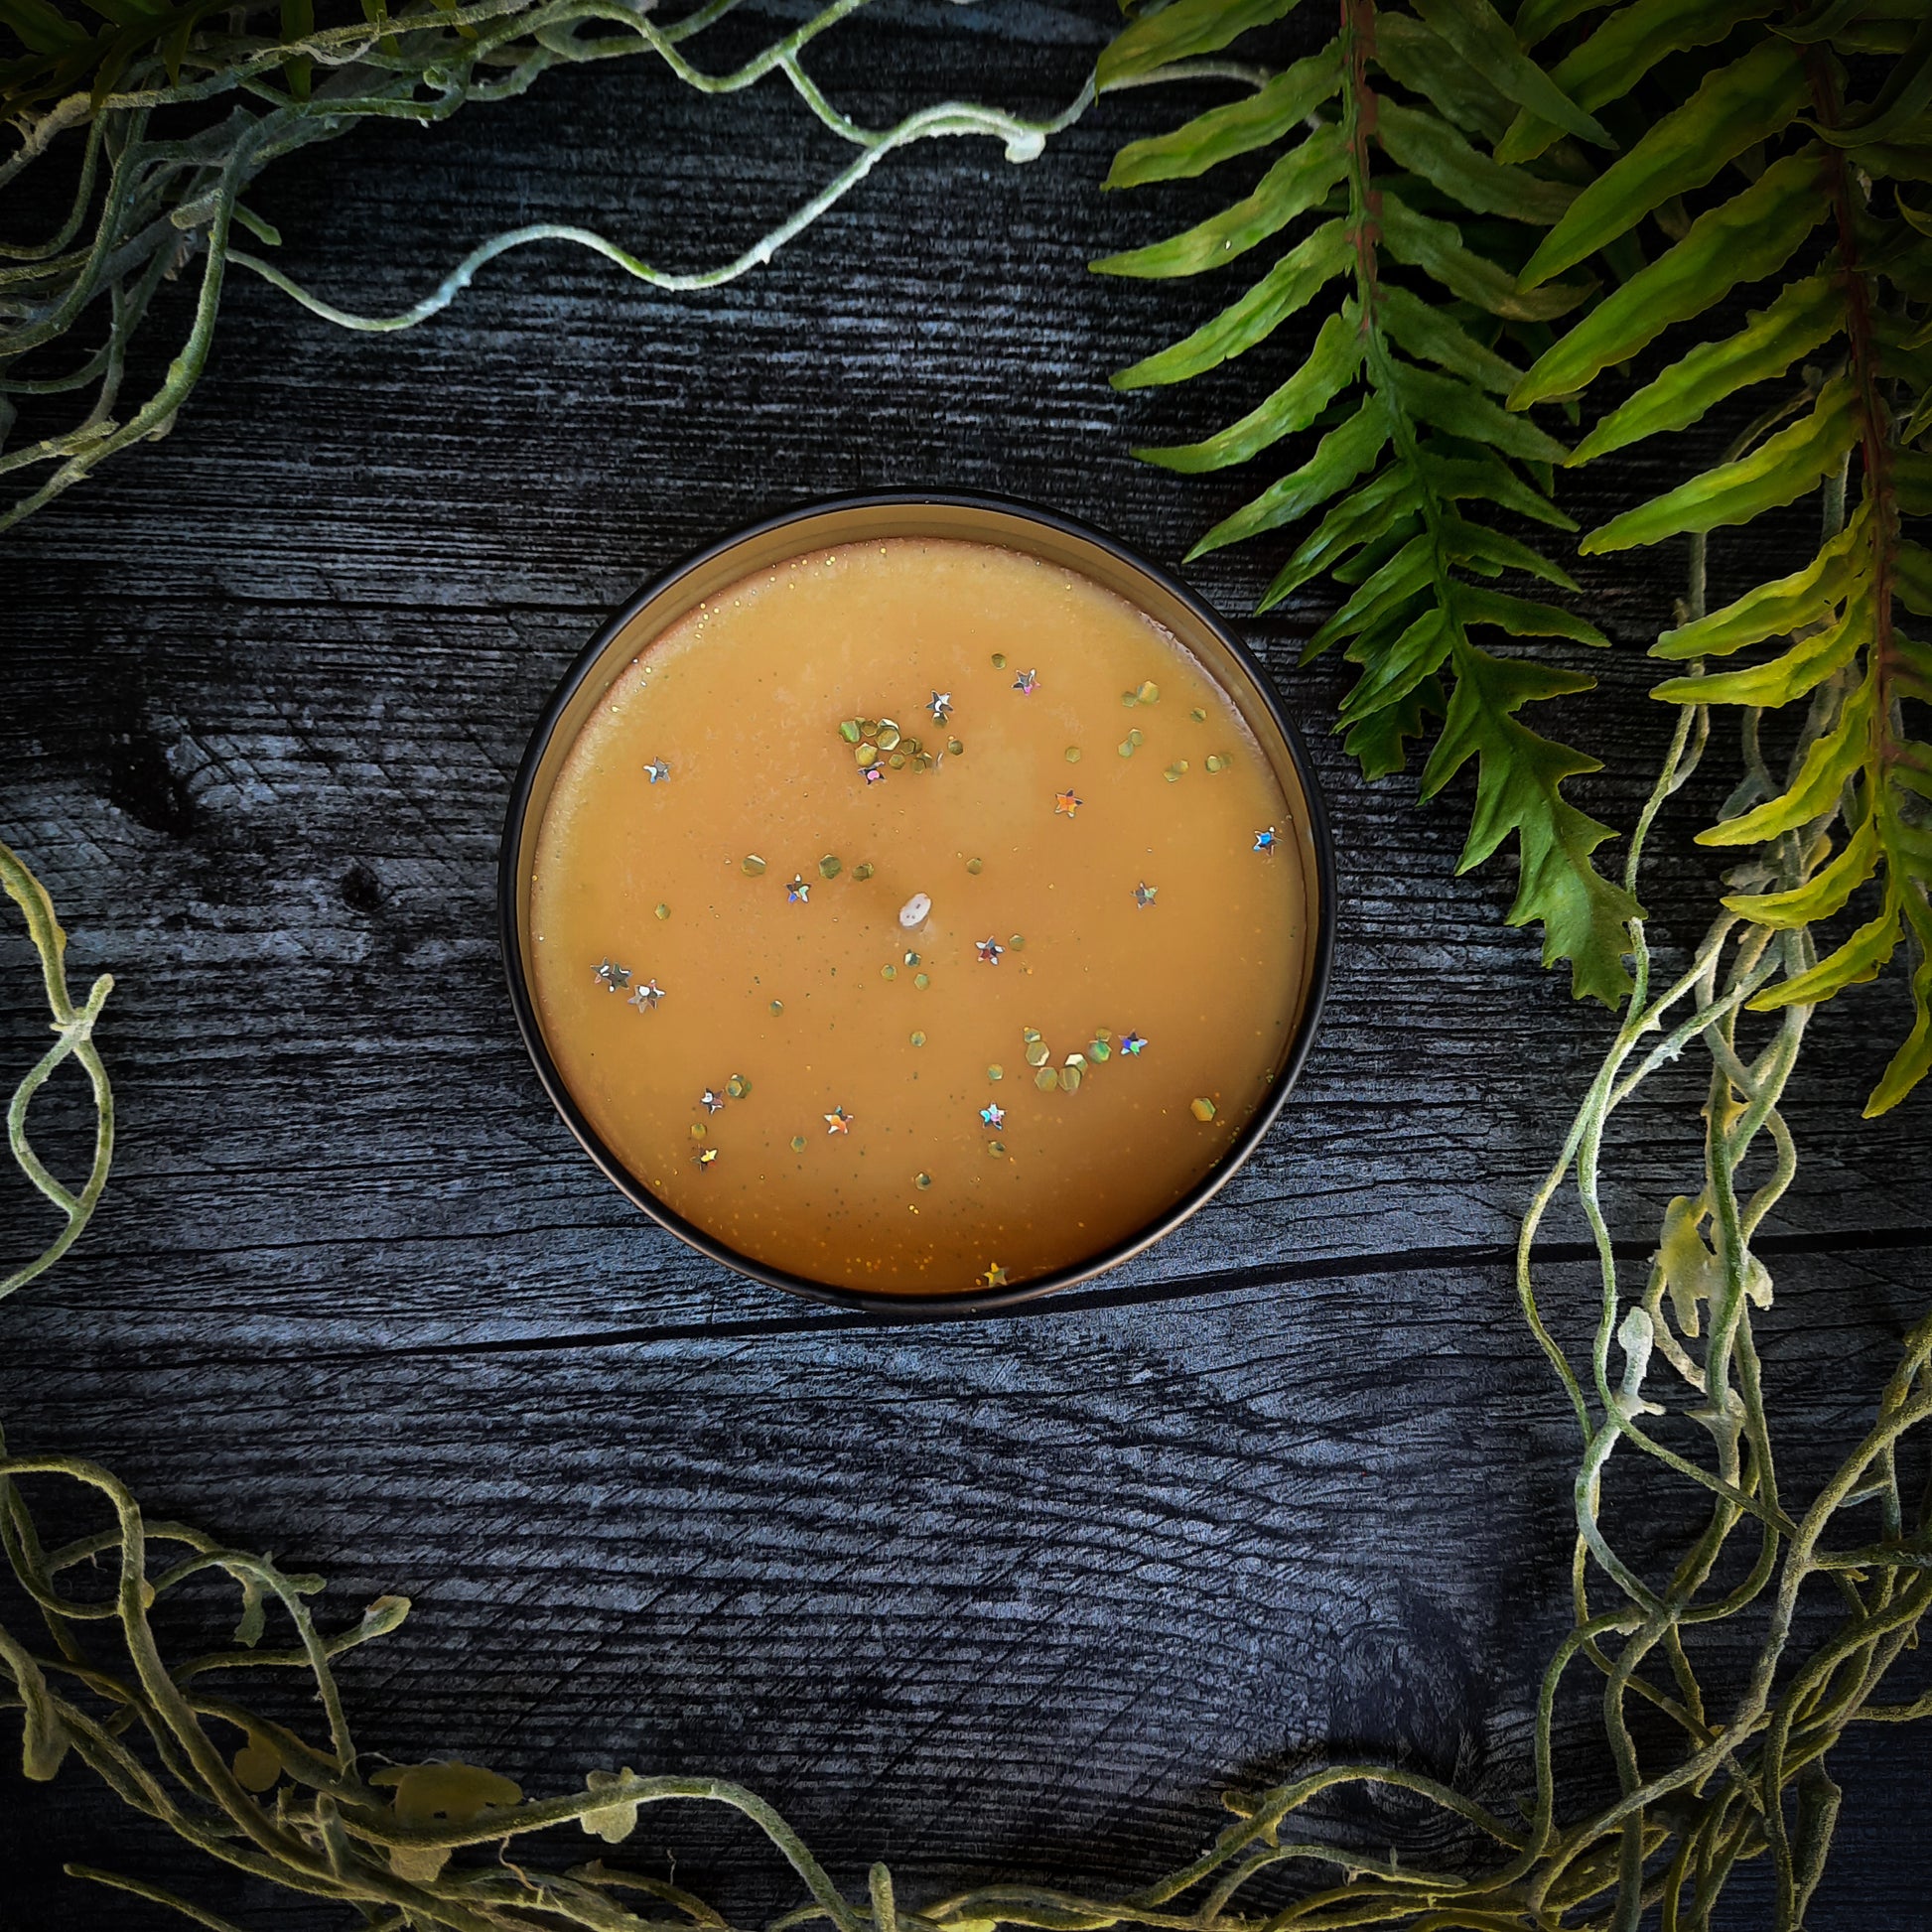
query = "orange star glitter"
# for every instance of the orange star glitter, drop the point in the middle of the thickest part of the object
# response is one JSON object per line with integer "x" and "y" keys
{"x": 1065, "y": 805}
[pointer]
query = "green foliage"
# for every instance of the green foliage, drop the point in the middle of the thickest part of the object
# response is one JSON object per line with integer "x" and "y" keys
{"x": 1417, "y": 231}
{"x": 1794, "y": 178}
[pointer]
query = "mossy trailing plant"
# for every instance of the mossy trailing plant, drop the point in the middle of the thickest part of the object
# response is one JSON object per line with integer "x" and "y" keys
{"x": 1649, "y": 162}
{"x": 178, "y": 107}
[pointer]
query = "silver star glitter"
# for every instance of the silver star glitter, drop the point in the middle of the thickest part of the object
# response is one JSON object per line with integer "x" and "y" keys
{"x": 990, "y": 951}
{"x": 1027, "y": 683}
{"x": 658, "y": 772}
{"x": 647, "y": 995}
{"x": 615, "y": 978}
{"x": 1143, "y": 894}
{"x": 940, "y": 707}
{"x": 710, "y": 1101}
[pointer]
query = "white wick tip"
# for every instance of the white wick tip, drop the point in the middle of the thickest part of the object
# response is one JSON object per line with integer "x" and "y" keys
{"x": 913, "y": 912}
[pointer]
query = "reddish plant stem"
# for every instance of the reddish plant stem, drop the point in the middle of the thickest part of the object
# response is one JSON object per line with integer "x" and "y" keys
{"x": 1874, "y": 451}
{"x": 1358, "y": 49}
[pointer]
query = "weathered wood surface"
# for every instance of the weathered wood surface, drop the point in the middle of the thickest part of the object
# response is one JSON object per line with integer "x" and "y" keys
{"x": 1016, "y": 1597}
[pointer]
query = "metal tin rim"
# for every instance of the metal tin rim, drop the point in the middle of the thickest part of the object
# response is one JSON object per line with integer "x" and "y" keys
{"x": 874, "y": 1301}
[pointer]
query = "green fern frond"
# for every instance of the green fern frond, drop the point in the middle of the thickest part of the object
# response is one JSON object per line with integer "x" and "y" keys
{"x": 1388, "y": 151}
{"x": 1786, "y": 164}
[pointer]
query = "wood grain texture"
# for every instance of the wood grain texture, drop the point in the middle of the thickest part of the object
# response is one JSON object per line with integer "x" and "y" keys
{"x": 1018, "y": 1595}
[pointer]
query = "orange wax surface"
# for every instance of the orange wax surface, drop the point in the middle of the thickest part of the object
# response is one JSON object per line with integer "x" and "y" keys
{"x": 1126, "y": 896}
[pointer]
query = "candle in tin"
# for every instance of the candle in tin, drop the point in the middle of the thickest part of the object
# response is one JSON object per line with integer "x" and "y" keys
{"x": 919, "y": 916}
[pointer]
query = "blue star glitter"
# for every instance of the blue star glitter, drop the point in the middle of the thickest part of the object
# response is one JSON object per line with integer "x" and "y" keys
{"x": 1132, "y": 1044}
{"x": 994, "y": 1114}
{"x": 1265, "y": 841}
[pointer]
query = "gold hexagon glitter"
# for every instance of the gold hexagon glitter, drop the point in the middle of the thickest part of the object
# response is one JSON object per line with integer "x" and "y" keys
{"x": 1047, "y": 1079}
{"x": 830, "y": 867}
{"x": 862, "y": 871}
{"x": 1149, "y": 693}
{"x": 922, "y": 979}
{"x": 919, "y": 1038}
{"x": 888, "y": 972}
{"x": 664, "y": 911}
{"x": 738, "y": 1086}
{"x": 976, "y": 866}
{"x": 798, "y": 1144}
{"x": 922, "y": 1180}
{"x": 1202, "y": 1110}
{"x": 753, "y": 865}
{"x": 996, "y": 1072}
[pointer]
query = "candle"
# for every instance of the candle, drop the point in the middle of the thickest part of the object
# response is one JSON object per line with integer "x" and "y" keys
{"x": 916, "y": 915}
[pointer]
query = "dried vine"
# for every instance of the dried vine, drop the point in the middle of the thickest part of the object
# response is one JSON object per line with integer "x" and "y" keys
{"x": 161, "y": 185}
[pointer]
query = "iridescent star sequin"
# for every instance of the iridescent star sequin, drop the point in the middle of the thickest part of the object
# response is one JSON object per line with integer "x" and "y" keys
{"x": 1065, "y": 805}
{"x": 1027, "y": 683}
{"x": 1265, "y": 841}
{"x": 940, "y": 705}
{"x": 710, "y": 1102}
{"x": 1132, "y": 1044}
{"x": 797, "y": 893}
{"x": 990, "y": 951}
{"x": 995, "y": 1275}
{"x": 658, "y": 772}
{"x": 648, "y": 996}
{"x": 994, "y": 1114}
{"x": 613, "y": 977}
{"x": 1145, "y": 895}
{"x": 837, "y": 1121}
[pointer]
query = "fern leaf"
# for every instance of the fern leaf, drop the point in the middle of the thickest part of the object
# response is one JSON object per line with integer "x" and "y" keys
{"x": 1781, "y": 472}
{"x": 1793, "y": 675}
{"x": 1479, "y": 33}
{"x": 1293, "y": 185}
{"x": 1339, "y": 458}
{"x": 1180, "y": 32}
{"x": 1238, "y": 128}
{"x": 1828, "y": 767}
{"x": 1620, "y": 52}
{"x": 1411, "y": 549}
{"x": 1751, "y": 99}
{"x": 1824, "y": 893}
{"x": 1330, "y": 366}
{"x": 1798, "y": 319}
{"x": 1288, "y": 286}
{"x": 1751, "y": 235}
{"x": 1775, "y": 607}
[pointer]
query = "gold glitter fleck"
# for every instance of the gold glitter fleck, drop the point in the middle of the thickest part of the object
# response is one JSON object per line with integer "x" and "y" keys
{"x": 664, "y": 911}
{"x": 1128, "y": 698}
{"x": 954, "y": 746}
{"x": 922, "y": 979}
{"x": 887, "y": 734}
{"x": 1149, "y": 693}
{"x": 1135, "y": 739}
{"x": 865, "y": 754}
{"x": 830, "y": 867}
{"x": 998, "y": 1149}
{"x": 798, "y": 1144}
{"x": 1047, "y": 1079}
{"x": 922, "y": 1180}
{"x": 888, "y": 972}
{"x": 1213, "y": 763}
{"x": 1074, "y": 754}
{"x": 1038, "y": 1053}
{"x": 897, "y": 760}
{"x": 778, "y": 1006}
{"x": 1199, "y": 715}
{"x": 754, "y": 867}
{"x": 1069, "y": 1079}
{"x": 998, "y": 661}
{"x": 1018, "y": 942}
{"x": 699, "y": 1131}
{"x": 996, "y": 1072}
{"x": 738, "y": 1086}
{"x": 976, "y": 866}
{"x": 862, "y": 871}
{"x": 1127, "y": 748}
{"x": 1202, "y": 1110}
{"x": 918, "y": 1039}
{"x": 849, "y": 732}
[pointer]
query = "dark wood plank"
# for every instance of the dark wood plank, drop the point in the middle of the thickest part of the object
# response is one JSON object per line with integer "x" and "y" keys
{"x": 355, "y": 1295}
